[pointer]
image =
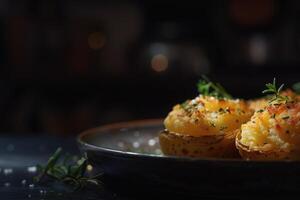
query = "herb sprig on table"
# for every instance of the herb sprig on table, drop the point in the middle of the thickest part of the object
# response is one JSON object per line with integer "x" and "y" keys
{"x": 273, "y": 90}
{"x": 209, "y": 88}
{"x": 67, "y": 169}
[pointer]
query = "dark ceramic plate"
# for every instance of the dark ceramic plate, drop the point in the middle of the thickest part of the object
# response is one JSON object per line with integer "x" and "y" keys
{"x": 128, "y": 153}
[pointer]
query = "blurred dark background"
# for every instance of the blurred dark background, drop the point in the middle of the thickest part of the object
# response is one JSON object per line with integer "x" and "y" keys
{"x": 68, "y": 65}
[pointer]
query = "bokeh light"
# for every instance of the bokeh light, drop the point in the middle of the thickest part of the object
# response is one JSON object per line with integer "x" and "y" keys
{"x": 159, "y": 63}
{"x": 96, "y": 40}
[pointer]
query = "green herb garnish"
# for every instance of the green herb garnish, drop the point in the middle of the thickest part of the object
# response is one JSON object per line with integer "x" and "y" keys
{"x": 185, "y": 104}
{"x": 223, "y": 128}
{"x": 208, "y": 88}
{"x": 273, "y": 90}
{"x": 222, "y": 110}
{"x": 240, "y": 111}
{"x": 296, "y": 87}
{"x": 67, "y": 169}
{"x": 286, "y": 117}
{"x": 273, "y": 116}
{"x": 212, "y": 124}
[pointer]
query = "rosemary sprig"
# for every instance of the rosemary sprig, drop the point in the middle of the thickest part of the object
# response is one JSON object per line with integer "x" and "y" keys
{"x": 273, "y": 90}
{"x": 63, "y": 168}
{"x": 208, "y": 88}
{"x": 296, "y": 87}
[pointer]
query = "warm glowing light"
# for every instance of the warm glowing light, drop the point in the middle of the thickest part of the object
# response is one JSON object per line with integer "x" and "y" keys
{"x": 89, "y": 168}
{"x": 96, "y": 40}
{"x": 159, "y": 63}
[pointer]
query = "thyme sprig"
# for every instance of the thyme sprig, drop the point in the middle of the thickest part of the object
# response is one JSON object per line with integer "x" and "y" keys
{"x": 273, "y": 90}
{"x": 208, "y": 88}
{"x": 68, "y": 170}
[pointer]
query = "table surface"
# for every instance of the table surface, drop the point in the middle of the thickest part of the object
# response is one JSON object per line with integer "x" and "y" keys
{"x": 19, "y": 155}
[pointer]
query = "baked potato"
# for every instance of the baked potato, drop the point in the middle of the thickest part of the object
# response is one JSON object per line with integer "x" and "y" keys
{"x": 273, "y": 133}
{"x": 204, "y": 127}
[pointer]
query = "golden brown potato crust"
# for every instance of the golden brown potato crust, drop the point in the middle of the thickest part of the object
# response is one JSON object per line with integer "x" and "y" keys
{"x": 221, "y": 146}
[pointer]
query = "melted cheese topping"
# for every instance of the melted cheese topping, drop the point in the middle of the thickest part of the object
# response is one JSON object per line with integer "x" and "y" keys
{"x": 207, "y": 116}
{"x": 258, "y": 104}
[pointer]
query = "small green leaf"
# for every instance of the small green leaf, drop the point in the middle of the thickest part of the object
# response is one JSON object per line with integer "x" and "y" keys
{"x": 80, "y": 168}
{"x": 286, "y": 117}
{"x": 184, "y": 104}
{"x": 53, "y": 159}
